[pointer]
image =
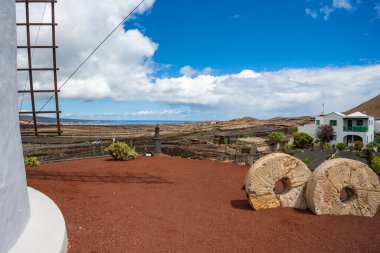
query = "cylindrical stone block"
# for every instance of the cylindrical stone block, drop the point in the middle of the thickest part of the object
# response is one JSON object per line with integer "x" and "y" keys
{"x": 264, "y": 173}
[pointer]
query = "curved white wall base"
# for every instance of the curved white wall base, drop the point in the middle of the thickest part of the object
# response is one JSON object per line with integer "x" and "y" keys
{"x": 45, "y": 230}
{"x": 14, "y": 206}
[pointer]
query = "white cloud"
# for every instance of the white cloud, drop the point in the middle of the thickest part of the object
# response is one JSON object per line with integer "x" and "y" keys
{"x": 123, "y": 70}
{"x": 326, "y": 11}
{"x": 208, "y": 71}
{"x": 377, "y": 9}
{"x": 188, "y": 71}
{"x": 311, "y": 13}
{"x": 154, "y": 113}
{"x": 287, "y": 90}
{"x": 236, "y": 16}
{"x": 342, "y": 4}
{"x": 124, "y": 62}
{"x": 283, "y": 92}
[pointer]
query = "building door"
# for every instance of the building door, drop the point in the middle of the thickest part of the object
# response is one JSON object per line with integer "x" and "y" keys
{"x": 349, "y": 124}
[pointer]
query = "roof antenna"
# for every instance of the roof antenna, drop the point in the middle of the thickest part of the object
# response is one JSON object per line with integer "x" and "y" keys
{"x": 323, "y": 108}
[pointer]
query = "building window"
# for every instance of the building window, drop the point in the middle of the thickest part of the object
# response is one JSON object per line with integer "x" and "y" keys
{"x": 359, "y": 122}
{"x": 333, "y": 123}
{"x": 334, "y": 137}
{"x": 317, "y": 122}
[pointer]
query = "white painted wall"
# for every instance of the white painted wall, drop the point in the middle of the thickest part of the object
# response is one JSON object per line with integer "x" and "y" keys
{"x": 371, "y": 129}
{"x": 321, "y": 120}
{"x": 14, "y": 203}
{"x": 308, "y": 129}
{"x": 377, "y": 126}
{"x": 366, "y": 136}
{"x": 338, "y": 129}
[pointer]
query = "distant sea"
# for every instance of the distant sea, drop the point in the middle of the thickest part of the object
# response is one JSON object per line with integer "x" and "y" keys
{"x": 122, "y": 122}
{"x": 67, "y": 121}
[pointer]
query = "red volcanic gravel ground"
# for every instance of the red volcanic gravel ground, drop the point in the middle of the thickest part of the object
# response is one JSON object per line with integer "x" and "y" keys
{"x": 170, "y": 204}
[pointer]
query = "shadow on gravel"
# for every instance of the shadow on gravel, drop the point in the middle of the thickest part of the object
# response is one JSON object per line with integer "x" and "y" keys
{"x": 130, "y": 178}
{"x": 304, "y": 212}
{"x": 241, "y": 204}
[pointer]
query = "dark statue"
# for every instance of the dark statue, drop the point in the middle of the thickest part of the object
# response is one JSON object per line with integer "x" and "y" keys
{"x": 157, "y": 141}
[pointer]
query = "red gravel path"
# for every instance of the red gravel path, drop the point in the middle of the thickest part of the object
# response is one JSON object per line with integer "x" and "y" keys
{"x": 169, "y": 204}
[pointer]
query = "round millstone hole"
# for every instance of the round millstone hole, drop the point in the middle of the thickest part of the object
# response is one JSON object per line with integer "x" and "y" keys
{"x": 346, "y": 194}
{"x": 281, "y": 186}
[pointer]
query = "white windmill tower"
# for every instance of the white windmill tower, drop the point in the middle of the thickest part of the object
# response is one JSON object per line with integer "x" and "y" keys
{"x": 29, "y": 220}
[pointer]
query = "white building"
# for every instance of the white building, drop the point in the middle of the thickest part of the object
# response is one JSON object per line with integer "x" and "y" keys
{"x": 356, "y": 126}
{"x": 377, "y": 126}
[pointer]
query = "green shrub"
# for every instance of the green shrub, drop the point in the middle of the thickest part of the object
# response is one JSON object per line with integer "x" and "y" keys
{"x": 276, "y": 137}
{"x": 327, "y": 157}
{"x": 289, "y": 147}
{"x": 327, "y": 146}
{"x": 248, "y": 134}
{"x": 306, "y": 160}
{"x": 302, "y": 140}
{"x": 372, "y": 145}
{"x": 31, "y": 161}
{"x": 121, "y": 151}
{"x": 377, "y": 138}
{"x": 375, "y": 164}
{"x": 341, "y": 146}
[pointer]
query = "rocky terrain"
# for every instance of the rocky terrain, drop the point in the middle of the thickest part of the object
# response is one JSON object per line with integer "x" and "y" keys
{"x": 370, "y": 107}
{"x": 89, "y": 140}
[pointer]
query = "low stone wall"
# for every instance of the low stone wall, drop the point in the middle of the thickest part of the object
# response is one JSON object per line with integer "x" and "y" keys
{"x": 66, "y": 153}
{"x": 208, "y": 154}
{"x": 75, "y": 151}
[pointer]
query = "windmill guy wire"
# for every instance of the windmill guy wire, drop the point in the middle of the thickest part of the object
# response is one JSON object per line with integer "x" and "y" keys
{"x": 89, "y": 56}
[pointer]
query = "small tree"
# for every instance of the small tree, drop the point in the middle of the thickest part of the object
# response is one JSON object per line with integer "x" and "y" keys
{"x": 327, "y": 146}
{"x": 358, "y": 145}
{"x": 277, "y": 138}
{"x": 372, "y": 146}
{"x": 302, "y": 140}
{"x": 341, "y": 146}
{"x": 325, "y": 133}
{"x": 121, "y": 151}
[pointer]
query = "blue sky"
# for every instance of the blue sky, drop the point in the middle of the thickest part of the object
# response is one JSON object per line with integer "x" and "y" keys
{"x": 261, "y": 35}
{"x": 217, "y": 60}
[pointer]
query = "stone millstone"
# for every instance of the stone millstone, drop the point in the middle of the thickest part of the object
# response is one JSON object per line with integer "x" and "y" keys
{"x": 264, "y": 173}
{"x": 331, "y": 177}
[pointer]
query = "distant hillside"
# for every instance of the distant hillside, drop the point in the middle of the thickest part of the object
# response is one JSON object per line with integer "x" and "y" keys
{"x": 245, "y": 120}
{"x": 370, "y": 107}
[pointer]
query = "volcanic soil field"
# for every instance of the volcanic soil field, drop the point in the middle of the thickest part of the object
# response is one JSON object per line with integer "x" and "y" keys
{"x": 171, "y": 204}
